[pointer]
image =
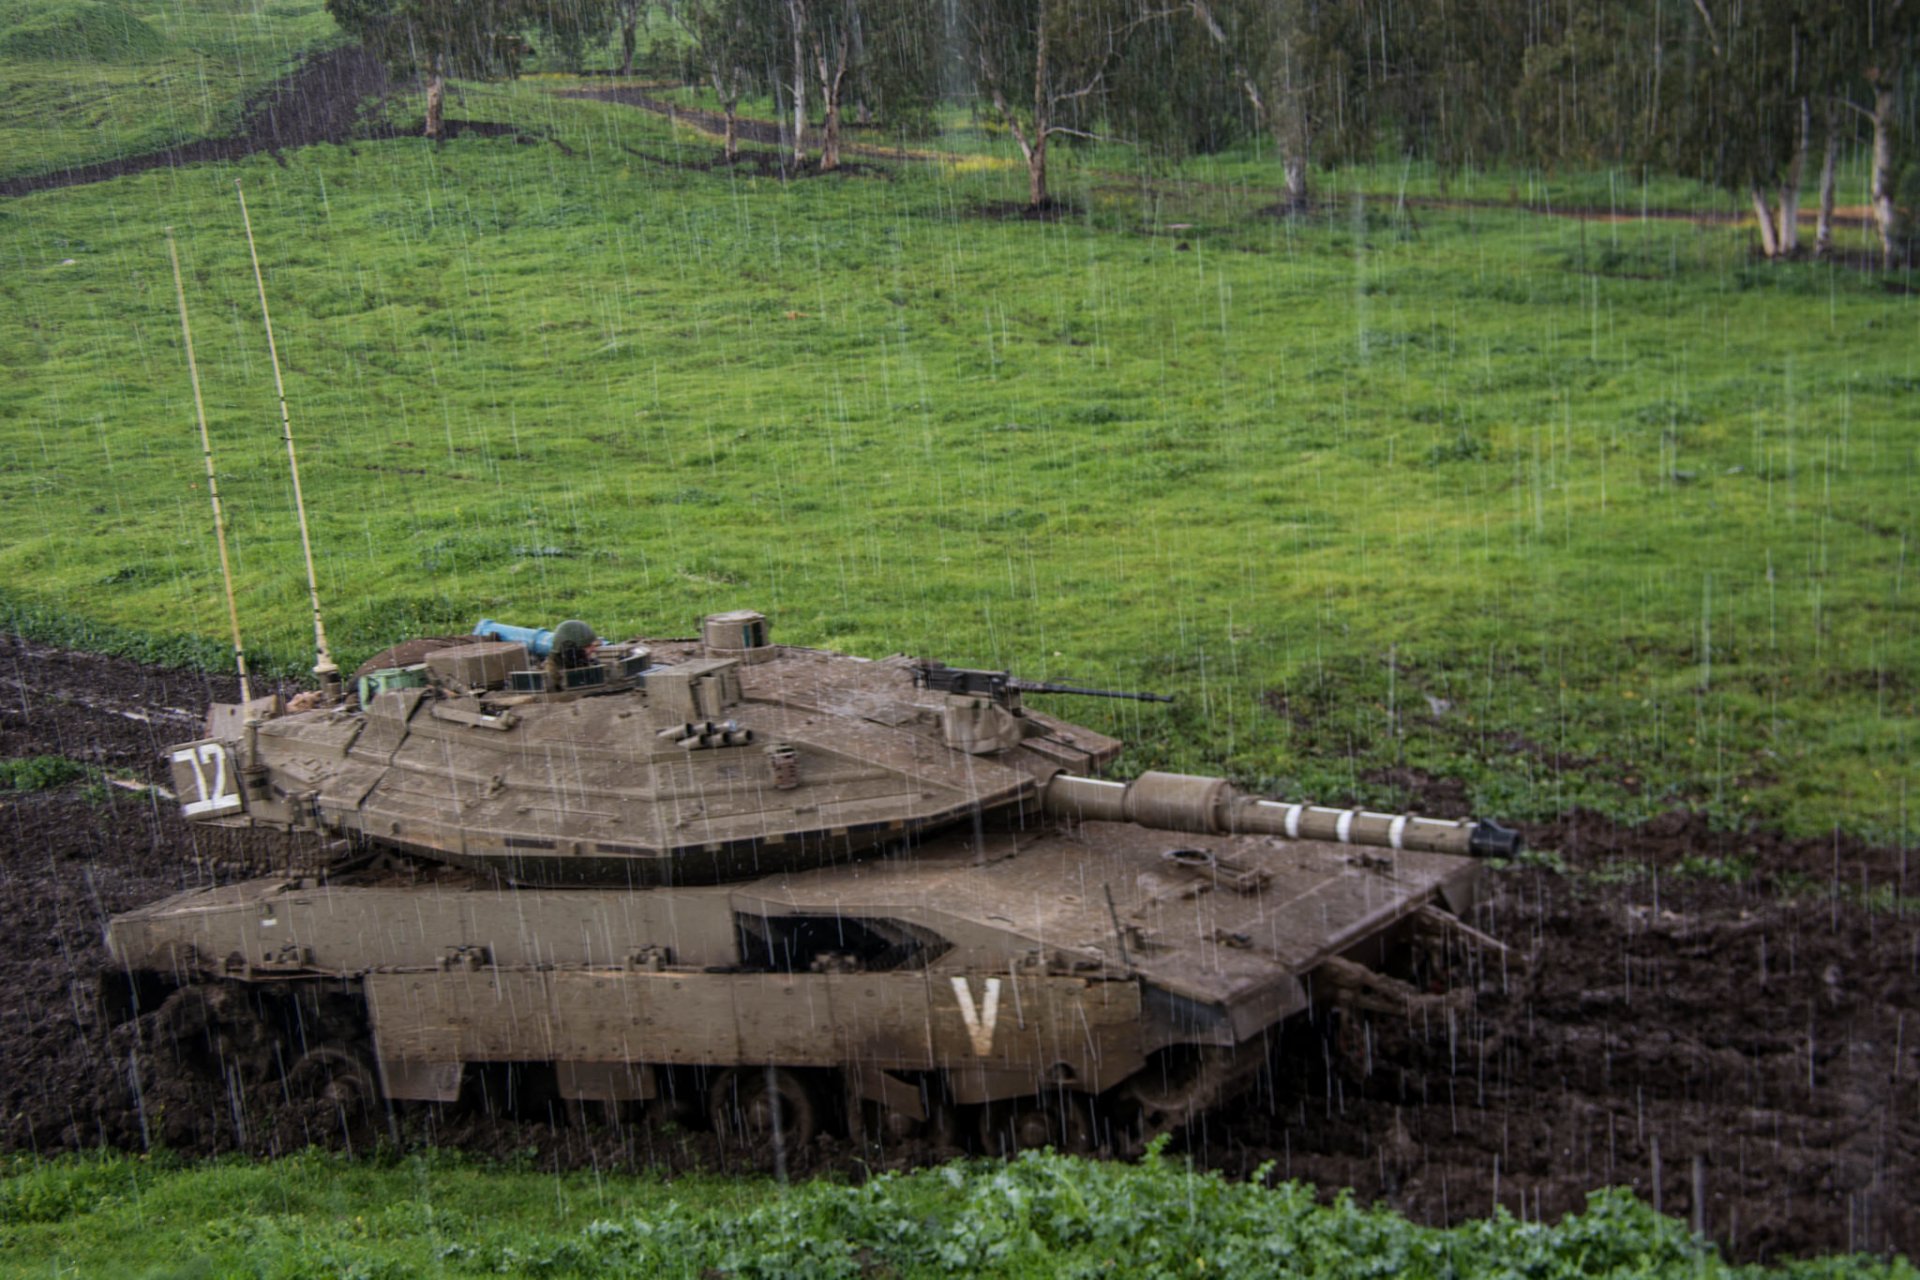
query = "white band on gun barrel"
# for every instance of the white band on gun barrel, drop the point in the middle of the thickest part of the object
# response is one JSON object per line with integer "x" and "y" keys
{"x": 1397, "y": 831}
{"x": 1343, "y": 826}
{"x": 1293, "y": 821}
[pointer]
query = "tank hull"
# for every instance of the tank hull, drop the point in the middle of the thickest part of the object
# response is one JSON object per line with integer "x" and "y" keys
{"x": 968, "y": 970}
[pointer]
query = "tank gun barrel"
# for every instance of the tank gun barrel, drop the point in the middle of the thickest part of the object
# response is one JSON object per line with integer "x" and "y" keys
{"x": 1212, "y": 806}
{"x": 998, "y": 684}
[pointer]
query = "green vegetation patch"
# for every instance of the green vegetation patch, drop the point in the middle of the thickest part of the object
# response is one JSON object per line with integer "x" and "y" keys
{"x": 75, "y": 31}
{"x": 1042, "y": 1215}
{"x": 39, "y": 773}
{"x": 86, "y": 81}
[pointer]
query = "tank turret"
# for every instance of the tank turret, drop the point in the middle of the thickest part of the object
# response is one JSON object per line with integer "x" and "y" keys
{"x": 973, "y": 919}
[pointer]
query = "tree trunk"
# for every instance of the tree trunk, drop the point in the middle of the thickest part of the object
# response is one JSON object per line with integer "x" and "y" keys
{"x": 1290, "y": 131}
{"x": 1884, "y": 214}
{"x": 1789, "y": 235}
{"x": 1042, "y": 114}
{"x": 1769, "y": 244}
{"x": 629, "y": 41}
{"x": 830, "y": 138}
{"x": 1823, "y": 231}
{"x": 833, "y": 79}
{"x": 797, "y": 18}
{"x": 436, "y": 98}
{"x": 733, "y": 133}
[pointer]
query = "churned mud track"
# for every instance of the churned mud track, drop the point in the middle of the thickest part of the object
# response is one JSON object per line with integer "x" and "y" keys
{"x": 1753, "y": 1038}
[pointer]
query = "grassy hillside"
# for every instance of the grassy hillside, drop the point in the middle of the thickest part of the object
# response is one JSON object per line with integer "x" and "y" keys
{"x": 90, "y": 80}
{"x": 1585, "y": 513}
{"x": 1038, "y": 1216}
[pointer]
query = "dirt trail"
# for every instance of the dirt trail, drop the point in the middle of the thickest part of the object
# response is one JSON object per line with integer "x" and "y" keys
{"x": 1757, "y": 1042}
{"x": 320, "y": 102}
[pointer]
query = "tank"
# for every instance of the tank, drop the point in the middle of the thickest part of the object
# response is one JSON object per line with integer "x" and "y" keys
{"x": 784, "y": 888}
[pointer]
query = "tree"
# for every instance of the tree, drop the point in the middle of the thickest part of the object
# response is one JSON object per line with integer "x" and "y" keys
{"x": 831, "y": 38}
{"x": 897, "y": 60}
{"x": 1042, "y": 66}
{"x": 1887, "y": 50}
{"x": 1739, "y": 120}
{"x": 730, "y": 38}
{"x": 568, "y": 28}
{"x": 434, "y": 39}
{"x": 627, "y": 15}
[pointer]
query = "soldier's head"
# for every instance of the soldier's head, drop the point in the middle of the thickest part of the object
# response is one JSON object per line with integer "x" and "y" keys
{"x": 573, "y": 636}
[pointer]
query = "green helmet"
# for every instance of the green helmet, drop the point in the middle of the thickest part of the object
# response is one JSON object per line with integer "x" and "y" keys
{"x": 573, "y": 634}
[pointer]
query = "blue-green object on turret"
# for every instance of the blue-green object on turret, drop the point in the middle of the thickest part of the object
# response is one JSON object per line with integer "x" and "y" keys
{"x": 539, "y": 640}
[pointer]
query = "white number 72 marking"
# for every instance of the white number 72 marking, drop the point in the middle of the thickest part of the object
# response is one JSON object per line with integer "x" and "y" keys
{"x": 215, "y": 799}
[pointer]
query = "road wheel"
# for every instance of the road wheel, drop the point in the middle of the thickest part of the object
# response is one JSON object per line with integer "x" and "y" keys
{"x": 1063, "y": 1121}
{"x": 339, "y": 1076}
{"x": 343, "y": 1090}
{"x": 218, "y": 1030}
{"x": 763, "y": 1108}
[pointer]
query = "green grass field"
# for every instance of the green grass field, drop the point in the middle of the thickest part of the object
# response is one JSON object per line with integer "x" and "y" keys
{"x": 1639, "y": 510}
{"x": 1040, "y": 1216}
{"x": 1632, "y": 513}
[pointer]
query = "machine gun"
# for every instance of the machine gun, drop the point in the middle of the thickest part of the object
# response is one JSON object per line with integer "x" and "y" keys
{"x": 1000, "y": 685}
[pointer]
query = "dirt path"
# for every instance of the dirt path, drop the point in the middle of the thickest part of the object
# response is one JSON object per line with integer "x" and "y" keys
{"x": 1737, "y": 1037}
{"x": 320, "y": 102}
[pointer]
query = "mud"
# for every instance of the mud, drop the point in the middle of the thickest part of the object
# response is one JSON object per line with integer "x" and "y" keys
{"x": 1740, "y": 1025}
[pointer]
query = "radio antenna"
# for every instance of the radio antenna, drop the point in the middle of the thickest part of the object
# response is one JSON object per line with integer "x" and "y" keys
{"x": 213, "y": 486}
{"x": 323, "y": 666}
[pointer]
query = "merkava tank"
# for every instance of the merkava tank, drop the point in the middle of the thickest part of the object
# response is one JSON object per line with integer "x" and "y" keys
{"x": 789, "y": 887}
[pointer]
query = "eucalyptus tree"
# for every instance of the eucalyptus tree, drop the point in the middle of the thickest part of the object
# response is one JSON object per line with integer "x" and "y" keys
{"x": 1736, "y": 120}
{"x": 434, "y": 39}
{"x": 731, "y": 39}
{"x": 900, "y": 52}
{"x": 1042, "y": 67}
{"x": 627, "y": 17}
{"x": 1887, "y": 50}
{"x": 566, "y": 29}
{"x": 833, "y": 36}
{"x": 1264, "y": 48}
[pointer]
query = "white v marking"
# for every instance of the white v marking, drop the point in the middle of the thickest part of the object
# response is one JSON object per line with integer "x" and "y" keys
{"x": 980, "y": 1021}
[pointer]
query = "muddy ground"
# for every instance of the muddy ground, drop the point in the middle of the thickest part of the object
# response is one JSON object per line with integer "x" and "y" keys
{"x": 1749, "y": 1038}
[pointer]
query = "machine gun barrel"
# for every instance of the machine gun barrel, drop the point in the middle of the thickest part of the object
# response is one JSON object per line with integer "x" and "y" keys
{"x": 1212, "y": 806}
{"x": 1042, "y": 686}
{"x": 998, "y": 684}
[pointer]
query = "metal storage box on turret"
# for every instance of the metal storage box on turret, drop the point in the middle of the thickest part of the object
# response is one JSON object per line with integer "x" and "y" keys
{"x": 792, "y": 887}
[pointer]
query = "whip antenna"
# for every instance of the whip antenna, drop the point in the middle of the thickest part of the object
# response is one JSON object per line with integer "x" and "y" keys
{"x": 213, "y": 487}
{"x": 323, "y": 667}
